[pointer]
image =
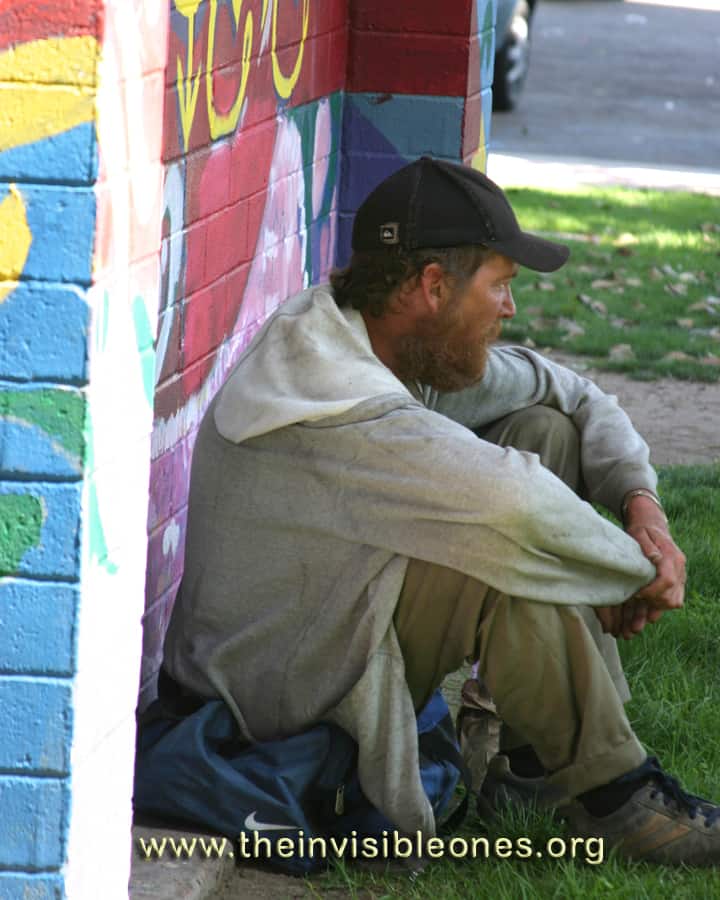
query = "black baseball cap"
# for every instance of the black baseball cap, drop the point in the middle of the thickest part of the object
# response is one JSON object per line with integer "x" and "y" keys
{"x": 434, "y": 203}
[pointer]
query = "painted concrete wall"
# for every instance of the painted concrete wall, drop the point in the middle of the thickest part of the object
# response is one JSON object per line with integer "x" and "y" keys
{"x": 81, "y": 90}
{"x": 253, "y": 122}
{"x": 170, "y": 172}
{"x": 279, "y": 119}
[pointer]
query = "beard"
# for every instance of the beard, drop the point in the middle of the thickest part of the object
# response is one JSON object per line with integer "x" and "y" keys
{"x": 442, "y": 356}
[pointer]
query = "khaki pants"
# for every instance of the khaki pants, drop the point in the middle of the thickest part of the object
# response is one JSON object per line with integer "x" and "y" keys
{"x": 556, "y": 679}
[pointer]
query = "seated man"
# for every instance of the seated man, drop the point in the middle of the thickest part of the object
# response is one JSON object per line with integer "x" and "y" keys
{"x": 372, "y": 503}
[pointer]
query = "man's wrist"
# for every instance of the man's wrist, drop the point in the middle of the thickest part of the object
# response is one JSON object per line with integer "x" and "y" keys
{"x": 639, "y": 497}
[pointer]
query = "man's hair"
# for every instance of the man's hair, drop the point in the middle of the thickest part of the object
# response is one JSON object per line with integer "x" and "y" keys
{"x": 373, "y": 276}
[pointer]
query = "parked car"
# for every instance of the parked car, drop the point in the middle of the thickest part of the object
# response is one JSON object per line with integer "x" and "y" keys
{"x": 512, "y": 57}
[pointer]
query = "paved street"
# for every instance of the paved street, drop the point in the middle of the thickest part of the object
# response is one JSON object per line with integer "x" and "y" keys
{"x": 636, "y": 82}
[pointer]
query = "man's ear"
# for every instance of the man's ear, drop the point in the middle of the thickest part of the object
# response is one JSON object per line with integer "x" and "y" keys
{"x": 432, "y": 284}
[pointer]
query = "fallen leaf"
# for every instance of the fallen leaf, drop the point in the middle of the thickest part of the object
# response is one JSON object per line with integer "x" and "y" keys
{"x": 586, "y": 270}
{"x": 621, "y": 352}
{"x": 668, "y": 270}
{"x": 656, "y": 274}
{"x": 676, "y": 356}
{"x": 597, "y": 306}
{"x": 529, "y": 342}
{"x": 602, "y": 284}
{"x": 685, "y": 323}
{"x": 688, "y": 277}
{"x": 713, "y": 301}
{"x": 624, "y": 251}
{"x": 534, "y": 310}
{"x": 541, "y": 324}
{"x": 639, "y": 306}
{"x": 617, "y": 322}
{"x": 710, "y": 360}
{"x": 573, "y": 328}
{"x": 708, "y": 227}
{"x": 678, "y": 289}
{"x": 634, "y": 282}
{"x": 546, "y": 286}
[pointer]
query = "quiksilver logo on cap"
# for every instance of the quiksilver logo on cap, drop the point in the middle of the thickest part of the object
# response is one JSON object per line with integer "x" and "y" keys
{"x": 390, "y": 233}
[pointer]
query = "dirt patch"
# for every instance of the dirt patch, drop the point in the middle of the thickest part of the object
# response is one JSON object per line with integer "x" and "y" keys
{"x": 680, "y": 420}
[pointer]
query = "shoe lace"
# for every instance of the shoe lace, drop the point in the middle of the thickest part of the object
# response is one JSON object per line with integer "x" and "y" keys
{"x": 671, "y": 792}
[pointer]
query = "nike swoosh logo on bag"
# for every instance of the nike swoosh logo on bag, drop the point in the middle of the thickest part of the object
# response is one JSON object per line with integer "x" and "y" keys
{"x": 252, "y": 824}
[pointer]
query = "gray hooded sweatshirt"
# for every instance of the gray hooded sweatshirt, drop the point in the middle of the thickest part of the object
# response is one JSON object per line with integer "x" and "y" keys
{"x": 317, "y": 474}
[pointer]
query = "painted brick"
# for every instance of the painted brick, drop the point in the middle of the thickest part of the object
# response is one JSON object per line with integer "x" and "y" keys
{"x": 37, "y": 724}
{"x": 422, "y": 18}
{"x": 227, "y": 241}
{"x": 37, "y": 627}
{"x": 427, "y": 64}
{"x": 66, "y": 158}
{"x": 19, "y": 886}
{"x": 32, "y": 829}
{"x": 39, "y": 529}
{"x": 207, "y": 181}
{"x": 412, "y": 126}
{"x": 478, "y": 108}
{"x": 43, "y": 333}
{"x": 155, "y": 623}
{"x": 165, "y": 554}
{"x": 481, "y": 62}
{"x": 41, "y": 432}
{"x": 250, "y": 148}
{"x": 36, "y": 19}
{"x": 204, "y": 316}
{"x": 170, "y": 481}
{"x": 62, "y": 224}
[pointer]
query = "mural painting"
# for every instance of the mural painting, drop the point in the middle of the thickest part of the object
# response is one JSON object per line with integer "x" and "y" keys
{"x": 253, "y": 115}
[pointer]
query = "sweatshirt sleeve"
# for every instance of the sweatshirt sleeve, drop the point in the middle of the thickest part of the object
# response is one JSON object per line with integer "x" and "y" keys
{"x": 615, "y": 459}
{"x": 415, "y": 483}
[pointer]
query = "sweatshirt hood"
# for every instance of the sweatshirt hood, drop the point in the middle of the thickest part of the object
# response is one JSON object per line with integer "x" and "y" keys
{"x": 296, "y": 369}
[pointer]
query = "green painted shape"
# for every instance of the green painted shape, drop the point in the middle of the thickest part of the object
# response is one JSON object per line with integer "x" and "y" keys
{"x": 144, "y": 339}
{"x": 98, "y": 544}
{"x": 59, "y": 413}
{"x": 21, "y": 518}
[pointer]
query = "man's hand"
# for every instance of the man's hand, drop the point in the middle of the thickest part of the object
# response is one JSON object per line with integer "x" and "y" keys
{"x": 646, "y": 523}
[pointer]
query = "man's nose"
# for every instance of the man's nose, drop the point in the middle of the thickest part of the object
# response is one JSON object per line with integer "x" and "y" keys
{"x": 508, "y": 310}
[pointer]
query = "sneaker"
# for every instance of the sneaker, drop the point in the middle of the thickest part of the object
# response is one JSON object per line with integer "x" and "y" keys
{"x": 660, "y": 823}
{"x": 503, "y": 790}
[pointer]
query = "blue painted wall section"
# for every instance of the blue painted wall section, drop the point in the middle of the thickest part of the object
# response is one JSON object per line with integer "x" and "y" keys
{"x": 48, "y": 165}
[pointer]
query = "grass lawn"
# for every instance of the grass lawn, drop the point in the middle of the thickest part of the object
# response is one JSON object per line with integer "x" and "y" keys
{"x": 641, "y": 291}
{"x": 673, "y": 672}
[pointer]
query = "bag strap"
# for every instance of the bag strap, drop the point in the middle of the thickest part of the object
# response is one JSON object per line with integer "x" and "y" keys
{"x": 440, "y": 746}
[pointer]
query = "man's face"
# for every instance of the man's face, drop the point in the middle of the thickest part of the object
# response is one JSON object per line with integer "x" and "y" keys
{"x": 450, "y": 348}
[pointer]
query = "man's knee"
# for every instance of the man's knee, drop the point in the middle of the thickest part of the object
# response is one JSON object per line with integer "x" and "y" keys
{"x": 545, "y": 431}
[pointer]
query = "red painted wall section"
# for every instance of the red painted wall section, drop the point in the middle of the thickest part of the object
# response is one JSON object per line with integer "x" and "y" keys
{"x": 252, "y": 131}
{"x": 419, "y": 48}
{"x": 272, "y": 136}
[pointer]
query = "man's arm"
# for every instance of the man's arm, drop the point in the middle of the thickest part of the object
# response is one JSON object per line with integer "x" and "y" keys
{"x": 615, "y": 458}
{"x": 615, "y": 462}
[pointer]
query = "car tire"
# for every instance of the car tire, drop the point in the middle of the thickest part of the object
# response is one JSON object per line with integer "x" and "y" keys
{"x": 513, "y": 59}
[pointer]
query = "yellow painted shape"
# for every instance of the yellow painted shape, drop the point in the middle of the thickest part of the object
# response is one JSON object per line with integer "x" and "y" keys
{"x": 188, "y": 86}
{"x": 225, "y": 124}
{"x": 31, "y": 113}
{"x": 55, "y": 60}
{"x": 187, "y": 8}
{"x": 285, "y": 84}
{"x": 15, "y": 240}
{"x": 479, "y": 161}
